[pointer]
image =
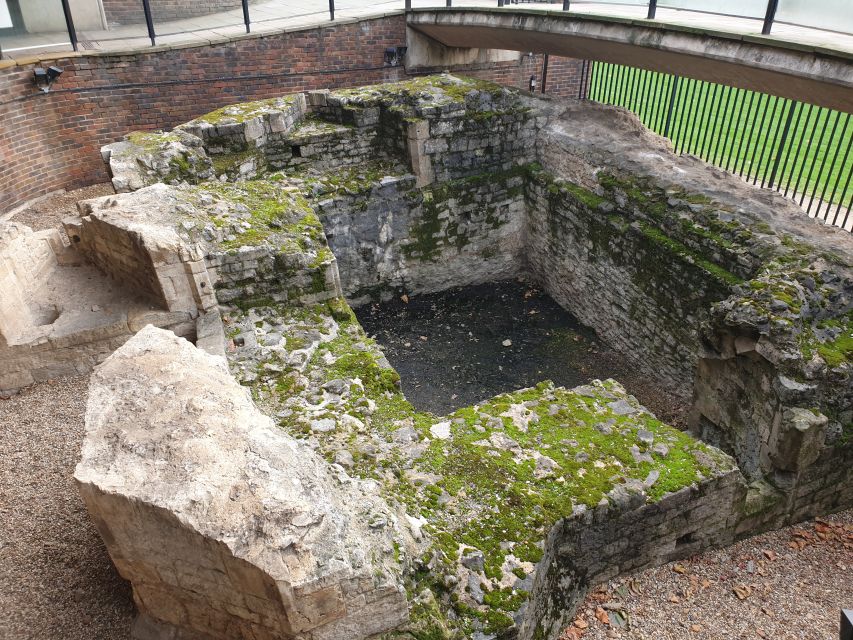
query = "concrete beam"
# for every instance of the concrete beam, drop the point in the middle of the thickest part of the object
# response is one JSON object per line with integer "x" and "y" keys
{"x": 810, "y": 74}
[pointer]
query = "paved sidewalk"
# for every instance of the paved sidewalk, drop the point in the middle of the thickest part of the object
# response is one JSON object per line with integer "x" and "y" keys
{"x": 277, "y": 15}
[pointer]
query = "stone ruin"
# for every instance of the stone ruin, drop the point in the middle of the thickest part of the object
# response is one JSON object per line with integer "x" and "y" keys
{"x": 272, "y": 481}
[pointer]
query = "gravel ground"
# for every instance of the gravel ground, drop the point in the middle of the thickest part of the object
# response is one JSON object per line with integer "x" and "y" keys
{"x": 56, "y": 579}
{"x": 49, "y": 212}
{"x": 785, "y": 585}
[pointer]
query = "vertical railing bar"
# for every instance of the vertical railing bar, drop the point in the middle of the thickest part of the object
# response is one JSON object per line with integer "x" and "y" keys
{"x": 594, "y": 78}
{"x": 817, "y": 150}
{"x": 685, "y": 109}
{"x": 653, "y": 5}
{"x": 701, "y": 108}
{"x": 680, "y": 94}
{"x": 849, "y": 209}
{"x": 741, "y": 124}
{"x": 664, "y": 86}
{"x": 636, "y": 76}
{"x": 149, "y": 21}
{"x": 409, "y": 4}
{"x": 246, "y": 15}
{"x": 832, "y": 164}
{"x": 785, "y": 167}
{"x": 725, "y": 119}
{"x": 713, "y": 113}
{"x": 841, "y": 198}
{"x": 672, "y": 94}
{"x": 611, "y": 74}
{"x": 823, "y": 161}
{"x": 779, "y": 144}
{"x": 762, "y": 149}
{"x": 726, "y": 157}
{"x": 632, "y": 72}
{"x": 750, "y": 118}
{"x": 565, "y": 5}
{"x": 657, "y": 84}
{"x": 645, "y": 102}
{"x": 752, "y": 142}
{"x": 769, "y": 16}
{"x": 841, "y": 173}
{"x": 544, "y": 72}
{"x": 69, "y": 24}
{"x": 807, "y": 152}
{"x": 695, "y": 133}
{"x": 767, "y": 151}
{"x": 797, "y": 155}
{"x": 623, "y": 85}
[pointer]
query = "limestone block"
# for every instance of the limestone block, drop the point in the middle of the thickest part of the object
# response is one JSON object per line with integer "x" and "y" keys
{"x": 797, "y": 439}
{"x": 225, "y": 526}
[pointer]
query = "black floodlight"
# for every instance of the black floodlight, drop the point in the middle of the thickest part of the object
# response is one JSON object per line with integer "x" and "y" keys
{"x": 44, "y": 78}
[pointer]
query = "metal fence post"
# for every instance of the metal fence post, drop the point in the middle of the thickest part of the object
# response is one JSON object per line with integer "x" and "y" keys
{"x": 565, "y": 5}
{"x": 331, "y": 10}
{"x": 544, "y": 73}
{"x": 449, "y": 3}
{"x": 653, "y": 6}
{"x": 149, "y": 21}
{"x": 408, "y": 4}
{"x": 772, "y": 5}
{"x": 500, "y": 3}
{"x": 69, "y": 22}
{"x": 246, "y": 15}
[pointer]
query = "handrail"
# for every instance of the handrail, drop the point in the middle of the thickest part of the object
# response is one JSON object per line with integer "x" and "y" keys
{"x": 652, "y": 8}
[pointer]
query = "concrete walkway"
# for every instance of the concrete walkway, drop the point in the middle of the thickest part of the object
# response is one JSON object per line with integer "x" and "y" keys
{"x": 277, "y": 15}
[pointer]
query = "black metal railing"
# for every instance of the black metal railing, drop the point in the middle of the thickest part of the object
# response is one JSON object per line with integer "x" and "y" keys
{"x": 775, "y": 11}
{"x": 801, "y": 150}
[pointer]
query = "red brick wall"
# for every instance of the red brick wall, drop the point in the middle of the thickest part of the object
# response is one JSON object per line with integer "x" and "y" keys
{"x": 52, "y": 141}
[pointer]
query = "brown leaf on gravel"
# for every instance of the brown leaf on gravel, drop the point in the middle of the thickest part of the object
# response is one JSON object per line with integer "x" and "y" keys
{"x": 742, "y": 591}
{"x": 572, "y": 633}
{"x": 695, "y": 628}
{"x": 602, "y": 616}
{"x": 674, "y": 599}
{"x": 769, "y": 554}
{"x": 679, "y": 568}
{"x": 580, "y": 623}
{"x": 705, "y": 583}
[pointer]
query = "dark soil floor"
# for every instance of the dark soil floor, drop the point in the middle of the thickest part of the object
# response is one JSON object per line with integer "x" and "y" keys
{"x": 462, "y": 346}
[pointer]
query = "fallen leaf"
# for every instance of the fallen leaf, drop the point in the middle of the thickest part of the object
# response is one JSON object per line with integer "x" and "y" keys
{"x": 679, "y": 568}
{"x": 602, "y": 616}
{"x": 695, "y": 628}
{"x": 742, "y": 591}
{"x": 705, "y": 583}
{"x": 674, "y": 599}
{"x": 580, "y": 623}
{"x": 404, "y": 298}
{"x": 769, "y": 554}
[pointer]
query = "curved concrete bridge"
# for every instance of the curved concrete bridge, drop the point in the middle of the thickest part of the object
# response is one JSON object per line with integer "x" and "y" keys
{"x": 811, "y": 74}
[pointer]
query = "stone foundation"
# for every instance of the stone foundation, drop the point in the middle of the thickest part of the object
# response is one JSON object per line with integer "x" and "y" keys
{"x": 497, "y": 518}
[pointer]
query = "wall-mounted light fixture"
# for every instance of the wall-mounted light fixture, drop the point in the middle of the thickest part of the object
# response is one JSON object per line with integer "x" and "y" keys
{"x": 394, "y": 56}
{"x": 44, "y": 78}
{"x": 532, "y": 85}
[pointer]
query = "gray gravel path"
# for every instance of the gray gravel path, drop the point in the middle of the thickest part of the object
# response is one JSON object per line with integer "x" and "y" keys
{"x": 56, "y": 579}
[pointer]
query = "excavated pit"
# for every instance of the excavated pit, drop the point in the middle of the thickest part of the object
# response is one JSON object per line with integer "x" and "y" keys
{"x": 450, "y": 348}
